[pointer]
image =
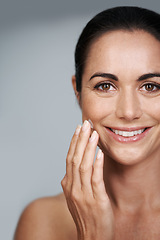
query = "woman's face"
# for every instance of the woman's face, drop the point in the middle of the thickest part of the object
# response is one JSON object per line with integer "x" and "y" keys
{"x": 121, "y": 94}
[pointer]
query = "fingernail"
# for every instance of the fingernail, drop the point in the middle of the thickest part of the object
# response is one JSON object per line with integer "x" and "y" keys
{"x": 89, "y": 120}
{"x": 93, "y": 136}
{"x": 99, "y": 154}
{"x": 78, "y": 130}
{"x": 85, "y": 125}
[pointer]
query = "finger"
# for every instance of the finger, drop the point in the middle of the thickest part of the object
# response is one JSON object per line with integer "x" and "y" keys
{"x": 98, "y": 186}
{"x": 86, "y": 166}
{"x": 71, "y": 151}
{"x": 67, "y": 182}
{"x": 79, "y": 151}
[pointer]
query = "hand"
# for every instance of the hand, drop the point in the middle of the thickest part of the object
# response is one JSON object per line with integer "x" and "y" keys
{"x": 84, "y": 187}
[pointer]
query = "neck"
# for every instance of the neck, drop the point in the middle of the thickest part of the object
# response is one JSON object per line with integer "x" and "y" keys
{"x": 135, "y": 187}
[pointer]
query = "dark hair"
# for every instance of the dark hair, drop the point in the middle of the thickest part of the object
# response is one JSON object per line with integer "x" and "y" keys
{"x": 118, "y": 18}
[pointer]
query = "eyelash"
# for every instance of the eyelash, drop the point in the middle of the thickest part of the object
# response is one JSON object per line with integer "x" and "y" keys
{"x": 152, "y": 84}
{"x": 102, "y": 84}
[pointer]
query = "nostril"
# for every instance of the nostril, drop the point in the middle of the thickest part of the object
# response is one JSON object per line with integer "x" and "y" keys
{"x": 129, "y": 113}
{"x": 128, "y": 106}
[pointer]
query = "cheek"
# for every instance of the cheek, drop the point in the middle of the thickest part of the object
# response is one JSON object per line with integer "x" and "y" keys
{"x": 151, "y": 107}
{"x": 95, "y": 108}
{"x": 154, "y": 111}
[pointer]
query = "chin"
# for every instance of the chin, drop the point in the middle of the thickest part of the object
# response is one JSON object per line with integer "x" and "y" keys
{"x": 126, "y": 157}
{"x": 126, "y": 160}
{"x": 128, "y": 154}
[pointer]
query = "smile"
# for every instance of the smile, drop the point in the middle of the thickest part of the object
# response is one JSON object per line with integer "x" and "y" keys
{"x": 128, "y": 133}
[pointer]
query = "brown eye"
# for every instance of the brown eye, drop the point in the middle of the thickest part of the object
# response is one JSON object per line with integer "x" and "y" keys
{"x": 149, "y": 87}
{"x": 105, "y": 86}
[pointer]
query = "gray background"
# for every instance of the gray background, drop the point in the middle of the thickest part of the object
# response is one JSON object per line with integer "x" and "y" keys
{"x": 38, "y": 110}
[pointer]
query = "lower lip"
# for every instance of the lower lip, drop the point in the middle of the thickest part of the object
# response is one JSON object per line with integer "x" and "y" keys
{"x": 128, "y": 139}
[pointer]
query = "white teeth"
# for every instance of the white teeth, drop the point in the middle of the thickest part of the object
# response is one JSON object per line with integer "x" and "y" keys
{"x": 127, "y": 133}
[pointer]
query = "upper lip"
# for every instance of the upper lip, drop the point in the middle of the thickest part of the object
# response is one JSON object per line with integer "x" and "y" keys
{"x": 128, "y": 129}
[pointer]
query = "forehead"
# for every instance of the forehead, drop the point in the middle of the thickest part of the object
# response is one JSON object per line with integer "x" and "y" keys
{"x": 119, "y": 50}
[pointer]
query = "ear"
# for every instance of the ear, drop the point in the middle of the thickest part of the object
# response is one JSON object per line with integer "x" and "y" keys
{"x": 75, "y": 90}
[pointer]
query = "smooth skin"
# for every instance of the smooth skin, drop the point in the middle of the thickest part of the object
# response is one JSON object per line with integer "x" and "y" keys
{"x": 118, "y": 196}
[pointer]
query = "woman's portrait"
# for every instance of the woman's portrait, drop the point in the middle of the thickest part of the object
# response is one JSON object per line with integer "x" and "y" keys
{"x": 109, "y": 184}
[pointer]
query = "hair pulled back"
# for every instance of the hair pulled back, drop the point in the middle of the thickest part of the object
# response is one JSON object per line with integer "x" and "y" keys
{"x": 118, "y": 18}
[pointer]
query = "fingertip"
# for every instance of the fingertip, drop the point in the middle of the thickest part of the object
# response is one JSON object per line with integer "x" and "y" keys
{"x": 99, "y": 154}
{"x": 99, "y": 158}
{"x": 78, "y": 129}
{"x": 94, "y": 136}
{"x": 85, "y": 126}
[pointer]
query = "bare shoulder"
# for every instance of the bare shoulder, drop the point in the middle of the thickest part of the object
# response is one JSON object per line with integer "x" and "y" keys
{"x": 46, "y": 218}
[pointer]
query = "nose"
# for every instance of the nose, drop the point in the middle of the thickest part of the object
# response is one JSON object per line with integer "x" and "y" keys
{"x": 128, "y": 106}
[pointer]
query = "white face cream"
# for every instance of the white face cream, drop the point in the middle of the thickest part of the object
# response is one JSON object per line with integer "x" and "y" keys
{"x": 90, "y": 123}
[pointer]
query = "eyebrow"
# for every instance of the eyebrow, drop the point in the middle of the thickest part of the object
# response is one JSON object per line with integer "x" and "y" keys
{"x": 105, "y": 75}
{"x": 114, "y": 77}
{"x": 148, "y": 75}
